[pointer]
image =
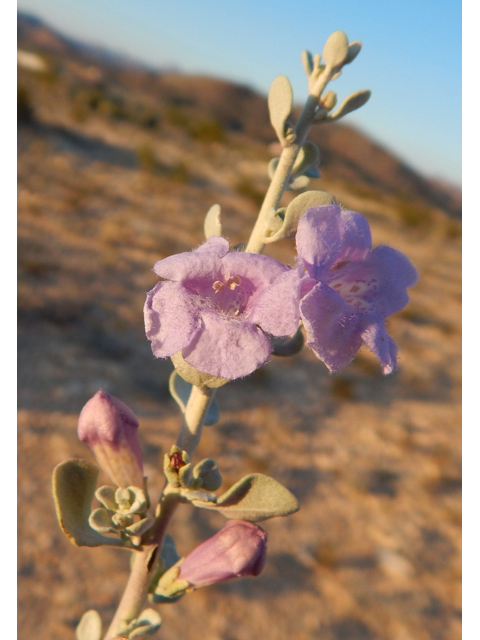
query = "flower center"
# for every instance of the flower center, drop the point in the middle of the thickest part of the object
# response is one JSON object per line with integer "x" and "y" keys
{"x": 227, "y": 295}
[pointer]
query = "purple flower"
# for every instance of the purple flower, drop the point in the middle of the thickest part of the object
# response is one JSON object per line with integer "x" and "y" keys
{"x": 239, "y": 549}
{"x": 349, "y": 290}
{"x": 109, "y": 428}
{"x": 216, "y": 305}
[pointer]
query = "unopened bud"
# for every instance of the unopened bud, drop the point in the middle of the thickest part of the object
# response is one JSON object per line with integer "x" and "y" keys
{"x": 109, "y": 428}
{"x": 239, "y": 549}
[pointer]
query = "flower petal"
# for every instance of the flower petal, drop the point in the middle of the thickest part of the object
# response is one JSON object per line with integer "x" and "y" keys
{"x": 327, "y": 235}
{"x": 396, "y": 273}
{"x": 205, "y": 261}
{"x": 260, "y": 270}
{"x": 376, "y": 338}
{"x": 227, "y": 348}
{"x": 171, "y": 319}
{"x": 276, "y": 310}
{"x": 333, "y": 328}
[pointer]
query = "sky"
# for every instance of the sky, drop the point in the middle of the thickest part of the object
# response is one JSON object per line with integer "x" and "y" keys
{"x": 411, "y": 56}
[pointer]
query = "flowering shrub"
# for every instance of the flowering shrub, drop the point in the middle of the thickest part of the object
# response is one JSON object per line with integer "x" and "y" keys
{"x": 219, "y": 314}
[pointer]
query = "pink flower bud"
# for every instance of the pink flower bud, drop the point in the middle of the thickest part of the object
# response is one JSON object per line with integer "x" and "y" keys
{"x": 109, "y": 428}
{"x": 239, "y": 549}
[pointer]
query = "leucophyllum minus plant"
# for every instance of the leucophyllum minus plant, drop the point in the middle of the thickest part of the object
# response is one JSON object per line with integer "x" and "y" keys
{"x": 219, "y": 314}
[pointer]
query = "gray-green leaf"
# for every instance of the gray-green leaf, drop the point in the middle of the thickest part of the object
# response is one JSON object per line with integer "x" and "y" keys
{"x": 254, "y": 498}
{"x": 353, "y": 51}
{"x": 101, "y": 521}
{"x": 280, "y": 100}
{"x": 212, "y": 225}
{"x": 351, "y": 103}
{"x": 74, "y": 484}
{"x": 308, "y": 156}
{"x": 90, "y": 626}
{"x": 148, "y": 622}
{"x": 139, "y": 528}
{"x": 295, "y": 211}
{"x": 106, "y": 496}
{"x": 335, "y": 51}
{"x": 307, "y": 62}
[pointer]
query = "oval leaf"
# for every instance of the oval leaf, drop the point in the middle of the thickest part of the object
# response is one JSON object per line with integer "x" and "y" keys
{"x": 307, "y": 62}
{"x": 254, "y": 498}
{"x": 280, "y": 100}
{"x": 148, "y": 622}
{"x": 212, "y": 225}
{"x": 106, "y": 496}
{"x": 295, "y": 211}
{"x": 74, "y": 484}
{"x": 299, "y": 182}
{"x": 101, "y": 521}
{"x": 351, "y": 103}
{"x": 335, "y": 51}
{"x": 139, "y": 528}
{"x": 308, "y": 156}
{"x": 89, "y": 627}
{"x": 353, "y": 51}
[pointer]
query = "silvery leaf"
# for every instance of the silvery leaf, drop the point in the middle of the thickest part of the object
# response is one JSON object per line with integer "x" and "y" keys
{"x": 280, "y": 100}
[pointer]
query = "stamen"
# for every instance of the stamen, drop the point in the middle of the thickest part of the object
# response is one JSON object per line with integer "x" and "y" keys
{"x": 218, "y": 286}
{"x": 236, "y": 281}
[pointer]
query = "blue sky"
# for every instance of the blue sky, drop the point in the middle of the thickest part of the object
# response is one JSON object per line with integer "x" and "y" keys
{"x": 411, "y": 56}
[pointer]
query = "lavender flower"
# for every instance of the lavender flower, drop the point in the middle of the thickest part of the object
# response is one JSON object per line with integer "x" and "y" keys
{"x": 239, "y": 549}
{"x": 349, "y": 290}
{"x": 109, "y": 428}
{"x": 216, "y": 305}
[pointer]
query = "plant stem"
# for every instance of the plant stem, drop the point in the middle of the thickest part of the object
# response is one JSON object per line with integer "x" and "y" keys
{"x": 286, "y": 161}
{"x": 136, "y": 591}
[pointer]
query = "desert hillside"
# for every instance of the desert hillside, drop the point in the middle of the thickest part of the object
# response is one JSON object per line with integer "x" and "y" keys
{"x": 117, "y": 168}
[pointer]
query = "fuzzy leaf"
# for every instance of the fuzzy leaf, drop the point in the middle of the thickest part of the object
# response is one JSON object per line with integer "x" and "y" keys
{"x": 300, "y": 182}
{"x": 74, "y": 484}
{"x": 139, "y": 528}
{"x": 101, "y": 521}
{"x": 90, "y": 626}
{"x": 308, "y": 156}
{"x": 295, "y": 211}
{"x": 207, "y": 475}
{"x": 351, "y": 103}
{"x": 353, "y": 51}
{"x": 148, "y": 622}
{"x": 255, "y": 497}
{"x": 307, "y": 62}
{"x": 280, "y": 100}
{"x": 180, "y": 390}
{"x": 212, "y": 225}
{"x": 335, "y": 51}
{"x": 106, "y": 496}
